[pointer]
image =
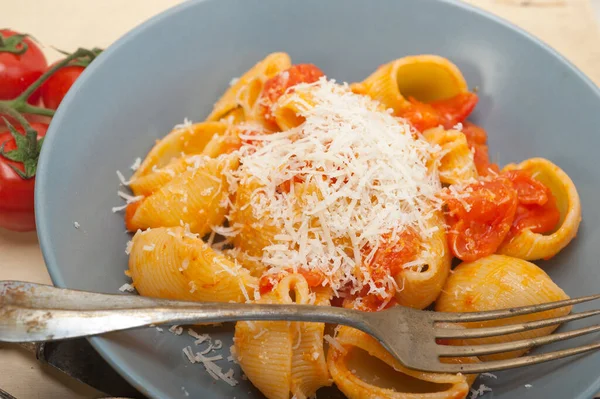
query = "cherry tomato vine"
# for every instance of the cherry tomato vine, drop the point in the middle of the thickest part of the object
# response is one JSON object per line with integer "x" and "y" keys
{"x": 24, "y": 77}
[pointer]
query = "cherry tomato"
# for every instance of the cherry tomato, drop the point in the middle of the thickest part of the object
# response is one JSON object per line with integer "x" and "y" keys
{"x": 474, "y": 134}
{"x": 447, "y": 112}
{"x": 56, "y": 87}
{"x": 16, "y": 193}
{"x": 420, "y": 115}
{"x": 18, "y": 71}
{"x": 537, "y": 209}
{"x": 480, "y": 218}
{"x": 455, "y": 109}
{"x": 267, "y": 282}
{"x": 278, "y": 84}
{"x": 391, "y": 255}
{"x": 477, "y": 140}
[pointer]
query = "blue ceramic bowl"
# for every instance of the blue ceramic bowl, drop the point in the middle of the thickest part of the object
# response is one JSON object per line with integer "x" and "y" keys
{"x": 533, "y": 103}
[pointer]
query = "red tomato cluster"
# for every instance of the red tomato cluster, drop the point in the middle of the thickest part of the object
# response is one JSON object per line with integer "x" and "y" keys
{"x": 22, "y": 64}
{"x": 487, "y": 213}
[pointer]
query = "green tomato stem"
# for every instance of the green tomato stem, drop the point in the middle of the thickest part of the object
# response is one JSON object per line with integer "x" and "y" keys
{"x": 8, "y": 109}
{"x": 30, "y": 109}
{"x": 19, "y": 101}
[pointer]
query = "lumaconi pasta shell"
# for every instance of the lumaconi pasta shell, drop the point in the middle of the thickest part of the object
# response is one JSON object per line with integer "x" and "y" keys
{"x": 247, "y": 89}
{"x": 289, "y": 108}
{"x": 530, "y": 246}
{"x": 284, "y": 357}
{"x": 152, "y": 181}
{"x": 197, "y": 197}
{"x": 185, "y": 140}
{"x": 424, "y": 77}
{"x": 255, "y": 233}
{"x": 362, "y": 369}
{"x": 456, "y": 164}
{"x": 419, "y": 286}
{"x": 499, "y": 282}
{"x": 169, "y": 263}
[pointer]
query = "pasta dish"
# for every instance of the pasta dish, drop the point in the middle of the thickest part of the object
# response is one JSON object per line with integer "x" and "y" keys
{"x": 300, "y": 189}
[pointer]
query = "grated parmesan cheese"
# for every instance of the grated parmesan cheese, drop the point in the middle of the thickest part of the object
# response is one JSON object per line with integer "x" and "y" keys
{"x": 136, "y": 164}
{"x": 127, "y": 288}
{"x": 364, "y": 173}
{"x": 175, "y": 329}
{"x": 149, "y": 247}
{"x": 476, "y": 393}
{"x": 129, "y": 247}
{"x": 334, "y": 343}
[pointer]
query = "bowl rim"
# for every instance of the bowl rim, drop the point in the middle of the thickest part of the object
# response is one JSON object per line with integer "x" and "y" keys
{"x": 100, "y": 344}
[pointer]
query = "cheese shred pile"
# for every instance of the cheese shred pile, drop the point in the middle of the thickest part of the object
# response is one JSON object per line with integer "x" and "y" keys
{"x": 334, "y": 185}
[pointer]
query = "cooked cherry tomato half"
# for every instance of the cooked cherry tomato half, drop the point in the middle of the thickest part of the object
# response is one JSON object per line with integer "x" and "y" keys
{"x": 420, "y": 115}
{"x": 477, "y": 141}
{"x": 480, "y": 217}
{"x": 537, "y": 210}
{"x": 455, "y": 109}
{"x": 392, "y": 254}
{"x": 447, "y": 113}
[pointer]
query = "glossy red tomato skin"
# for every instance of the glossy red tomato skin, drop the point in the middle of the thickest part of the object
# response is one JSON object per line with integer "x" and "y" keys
{"x": 455, "y": 109}
{"x": 16, "y": 193}
{"x": 56, "y": 87}
{"x": 17, "y": 72}
{"x": 537, "y": 210}
{"x": 479, "y": 230}
{"x": 420, "y": 115}
{"x": 477, "y": 141}
{"x": 446, "y": 113}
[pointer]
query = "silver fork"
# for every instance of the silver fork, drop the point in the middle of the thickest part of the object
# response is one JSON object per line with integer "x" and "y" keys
{"x": 33, "y": 312}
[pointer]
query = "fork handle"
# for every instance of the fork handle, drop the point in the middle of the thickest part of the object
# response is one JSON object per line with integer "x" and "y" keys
{"x": 24, "y": 318}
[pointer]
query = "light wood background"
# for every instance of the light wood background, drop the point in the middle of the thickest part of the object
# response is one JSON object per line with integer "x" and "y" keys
{"x": 568, "y": 25}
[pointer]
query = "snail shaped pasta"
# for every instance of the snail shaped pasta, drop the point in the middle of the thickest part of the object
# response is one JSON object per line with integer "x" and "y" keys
{"x": 456, "y": 163}
{"x": 174, "y": 264}
{"x": 283, "y": 358}
{"x": 361, "y": 368}
{"x": 509, "y": 283}
{"x": 241, "y": 98}
{"x": 530, "y": 246}
{"x": 197, "y": 197}
{"x": 424, "y": 77}
{"x": 420, "y": 285}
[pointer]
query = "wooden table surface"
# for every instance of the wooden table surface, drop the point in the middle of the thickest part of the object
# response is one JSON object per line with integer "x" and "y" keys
{"x": 567, "y": 25}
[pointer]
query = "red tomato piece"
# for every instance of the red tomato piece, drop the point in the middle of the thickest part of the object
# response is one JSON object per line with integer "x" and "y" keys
{"x": 267, "y": 282}
{"x": 16, "y": 193}
{"x": 530, "y": 191}
{"x": 474, "y": 134}
{"x": 477, "y": 141}
{"x": 420, "y": 115}
{"x": 278, "y": 85}
{"x": 481, "y": 218}
{"x": 18, "y": 71}
{"x": 455, "y": 109}
{"x": 391, "y": 255}
{"x": 537, "y": 210}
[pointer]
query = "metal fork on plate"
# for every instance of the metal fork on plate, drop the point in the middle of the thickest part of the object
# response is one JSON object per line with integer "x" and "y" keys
{"x": 32, "y": 312}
